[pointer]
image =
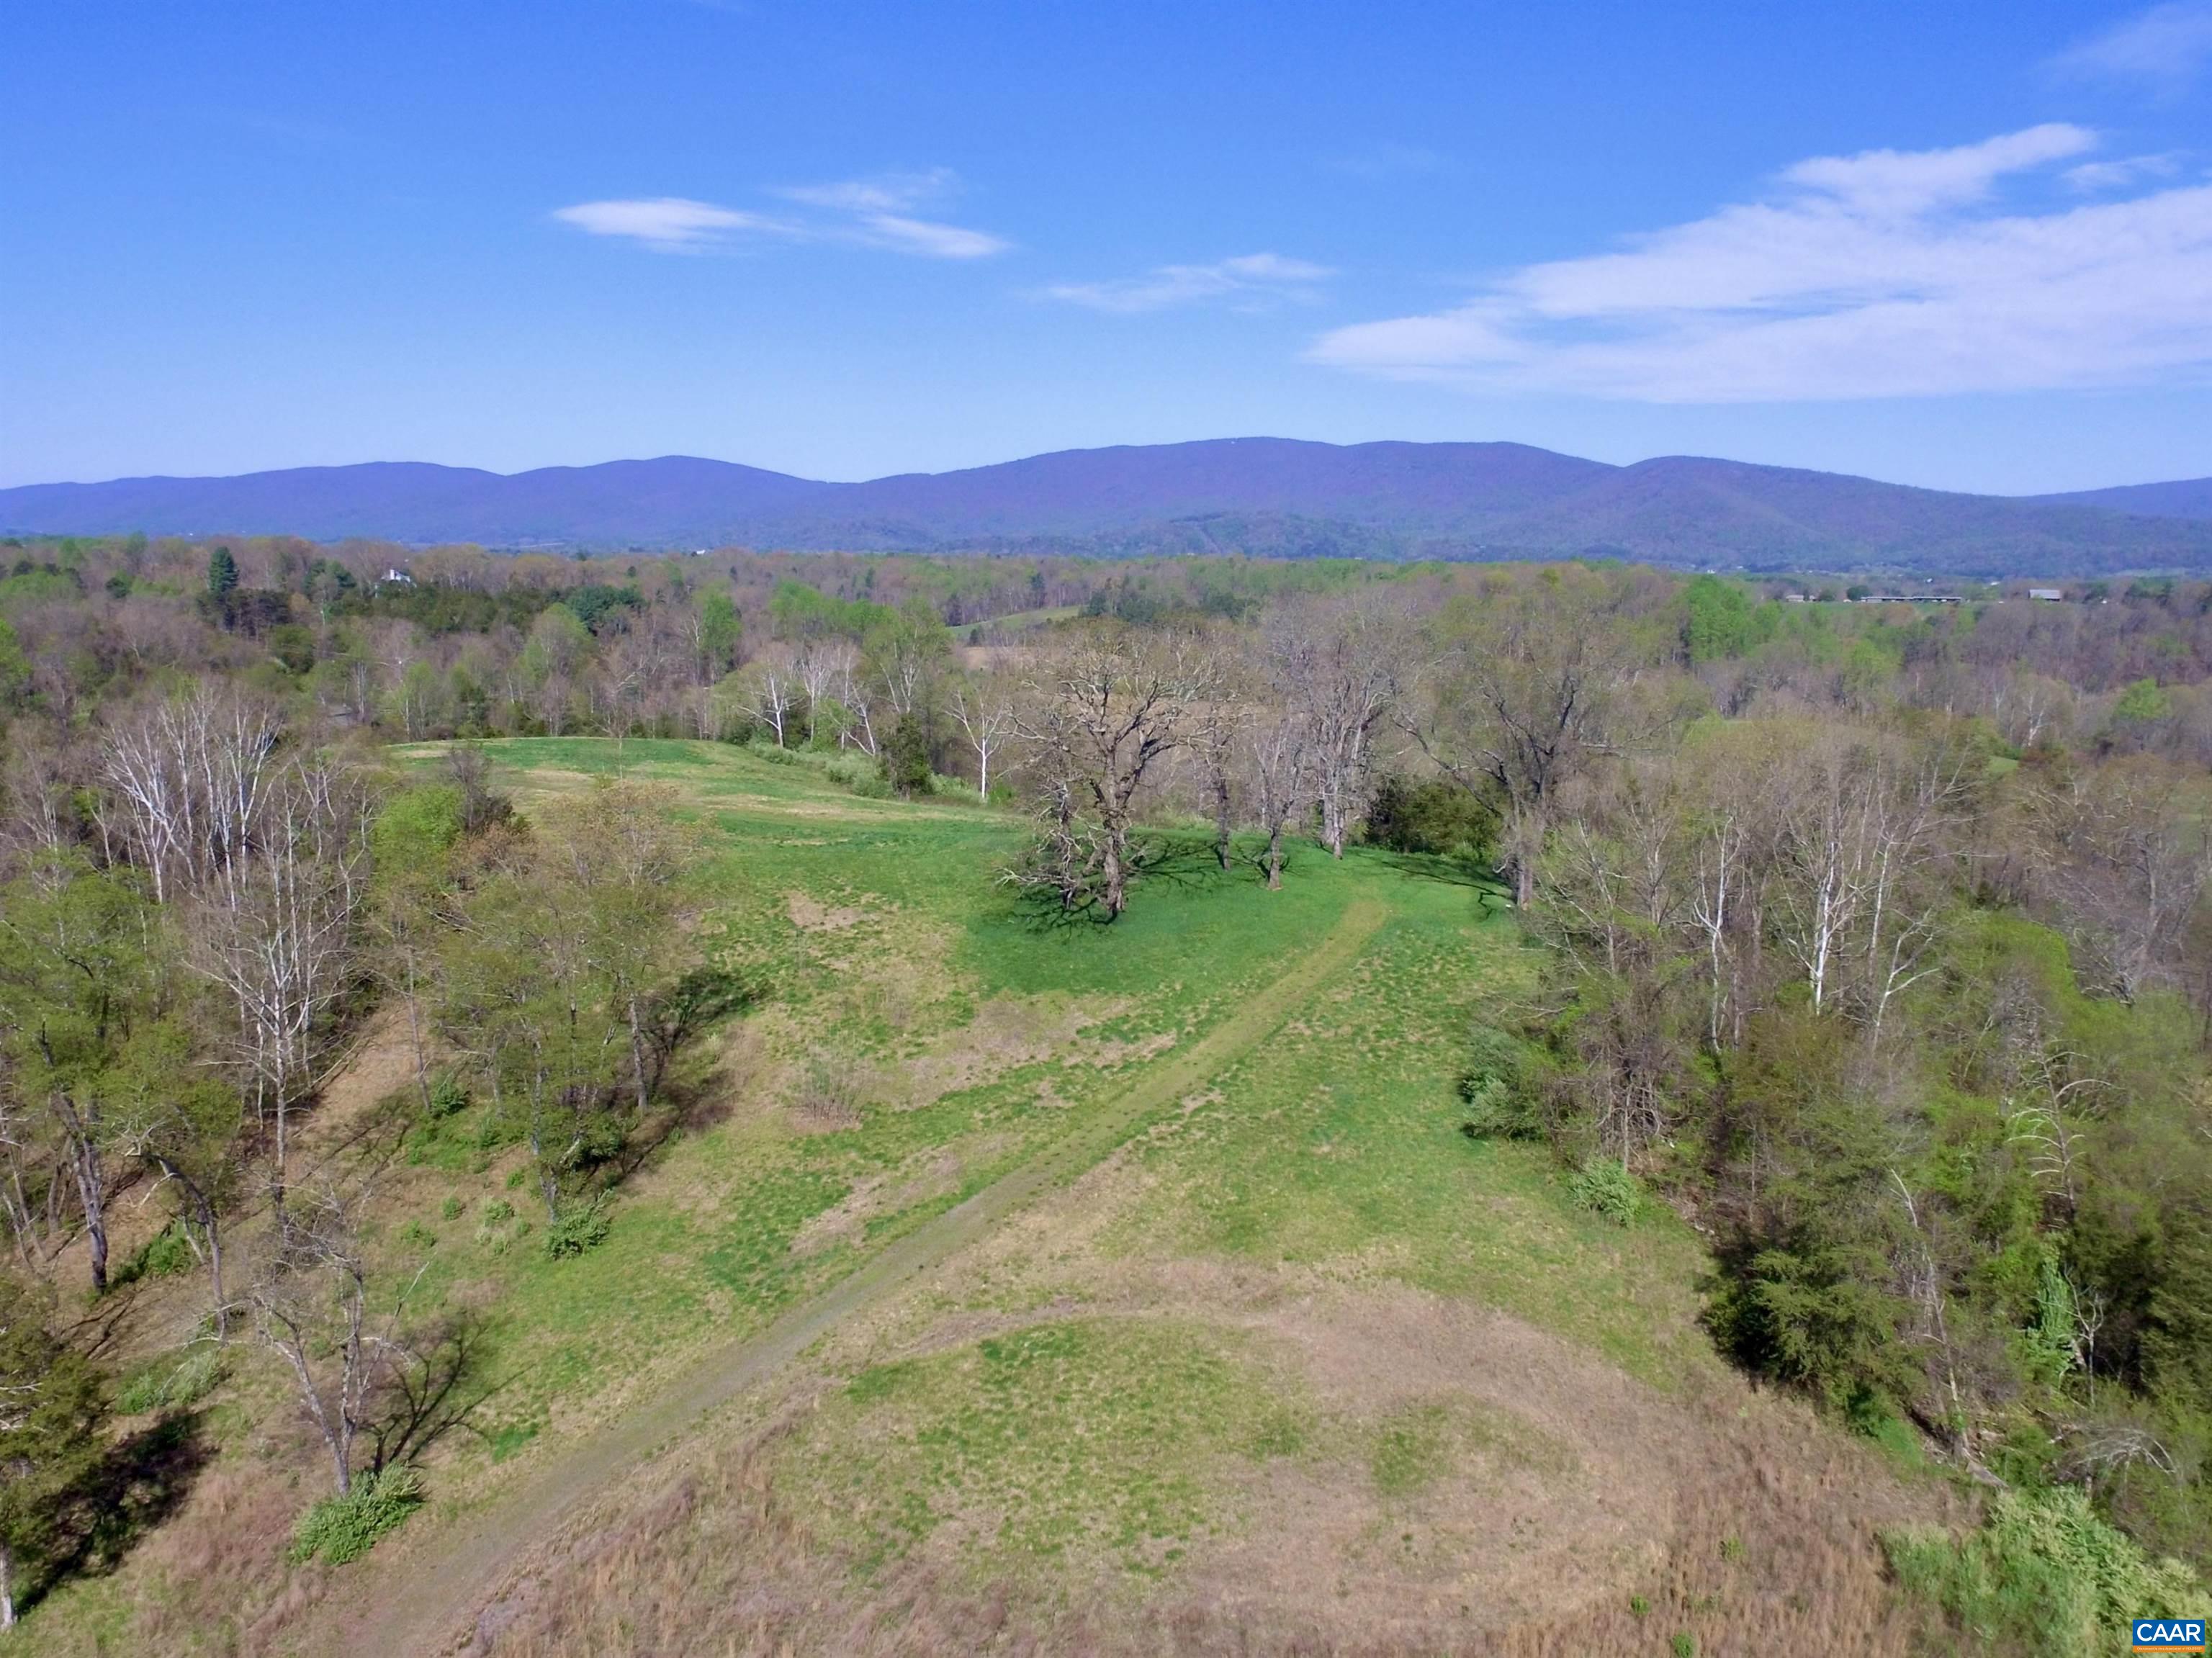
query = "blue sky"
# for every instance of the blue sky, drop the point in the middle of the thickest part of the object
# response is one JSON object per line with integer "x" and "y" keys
{"x": 1967, "y": 245}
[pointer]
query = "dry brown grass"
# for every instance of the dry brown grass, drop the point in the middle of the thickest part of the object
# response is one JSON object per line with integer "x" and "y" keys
{"x": 1730, "y": 1515}
{"x": 808, "y": 915}
{"x": 716, "y": 1565}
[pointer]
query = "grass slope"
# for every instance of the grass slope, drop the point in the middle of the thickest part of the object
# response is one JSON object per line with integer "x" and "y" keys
{"x": 1297, "y": 1351}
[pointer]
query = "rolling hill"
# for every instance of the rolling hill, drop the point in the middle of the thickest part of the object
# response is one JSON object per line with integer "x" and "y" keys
{"x": 2183, "y": 498}
{"x": 1261, "y": 495}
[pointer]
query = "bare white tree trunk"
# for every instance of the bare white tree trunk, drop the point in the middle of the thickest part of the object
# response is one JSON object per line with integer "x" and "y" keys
{"x": 275, "y": 929}
{"x": 988, "y": 720}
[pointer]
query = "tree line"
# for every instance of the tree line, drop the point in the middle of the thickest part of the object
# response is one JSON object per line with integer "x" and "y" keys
{"x": 203, "y": 901}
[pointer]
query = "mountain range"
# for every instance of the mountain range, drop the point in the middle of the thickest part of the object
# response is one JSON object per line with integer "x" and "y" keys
{"x": 1271, "y": 496}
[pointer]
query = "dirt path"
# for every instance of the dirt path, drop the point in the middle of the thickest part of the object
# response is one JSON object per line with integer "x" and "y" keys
{"x": 423, "y": 1600}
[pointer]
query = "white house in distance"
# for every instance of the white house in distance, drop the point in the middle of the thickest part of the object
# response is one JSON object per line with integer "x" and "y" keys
{"x": 2048, "y": 595}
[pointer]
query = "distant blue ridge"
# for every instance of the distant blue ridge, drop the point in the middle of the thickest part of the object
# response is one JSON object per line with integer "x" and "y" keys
{"x": 1266, "y": 496}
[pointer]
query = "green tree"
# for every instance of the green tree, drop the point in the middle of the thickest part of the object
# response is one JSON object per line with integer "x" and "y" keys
{"x": 906, "y": 758}
{"x": 411, "y": 848}
{"x": 551, "y": 976}
{"x": 75, "y": 976}
{"x": 167, "y": 1109}
{"x": 1717, "y": 621}
{"x": 222, "y": 573}
{"x": 52, "y": 1406}
{"x": 721, "y": 634}
{"x": 14, "y": 667}
{"x": 2142, "y": 703}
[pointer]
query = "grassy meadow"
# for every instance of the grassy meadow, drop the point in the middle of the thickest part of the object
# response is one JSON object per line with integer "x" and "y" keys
{"x": 1270, "y": 1345}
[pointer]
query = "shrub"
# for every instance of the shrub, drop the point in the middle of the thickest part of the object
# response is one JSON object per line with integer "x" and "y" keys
{"x": 1606, "y": 1189}
{"x": 829, "y": 1090}
{"x": 861, "y": 772}
{"x": 1498, "y": 1088}
{"x": 164, "y": 1385}
{"x": 166, "y": 1253}
{"x": 598, "y": 1140}
{"x": 2043, "y": 1574}
{"x": 449, "y": 1095}
{"x": 342, "y": 1528}
{"x": 1434, "y": 816}
{"x": 578, "y": 1229}
{"x": 906, "y": 758}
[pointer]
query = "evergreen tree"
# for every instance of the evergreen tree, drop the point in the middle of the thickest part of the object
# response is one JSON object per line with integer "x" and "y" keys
{"x": 51, "y": 1408}
{"x": 906, "y": 758}
{"x": 222, "y": 573}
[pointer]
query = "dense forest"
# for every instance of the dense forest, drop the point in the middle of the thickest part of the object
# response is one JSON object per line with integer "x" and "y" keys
{"x": 1873, "y": 935}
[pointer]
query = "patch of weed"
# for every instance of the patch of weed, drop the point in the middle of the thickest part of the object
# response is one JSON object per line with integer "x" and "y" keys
{"x": 341, "y": 1529}
{"x": 170, "y": 1382}
{"x": 2044, "y": 1575}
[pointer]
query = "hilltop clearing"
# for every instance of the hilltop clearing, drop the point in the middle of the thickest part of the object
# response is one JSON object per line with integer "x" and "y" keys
{"x": 1143, "y": 1296}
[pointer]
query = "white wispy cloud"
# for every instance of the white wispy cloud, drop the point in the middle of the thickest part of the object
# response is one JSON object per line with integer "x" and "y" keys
{"x": 1250, "y": 278}
{"x": 671, "y": 223}
{"x": 2162, "y": 48}
{"x": 879, "y": 212}
{"x": 1885, "y": 274}
{"x": 871, "y": 213}
{"x": 2121, "y": 173}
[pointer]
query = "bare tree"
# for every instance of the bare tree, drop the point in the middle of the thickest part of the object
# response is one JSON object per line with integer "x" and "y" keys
{"x": 1348, "y": 660}
{"x": 1223, "y": 720}
{"x": 816, "y": 667}
{"x": 771, "y": 694}
{"x": 1861, "y": 821}
{"x": 854, "y": 695}
{"x": 2127, "y": 859}
{"x": 1529, "y": 690}
{"x": 986, "y": 715}
{"x": 311, "y": 1306}
{"x": 275, "y": 927}
{"x": 1279, "y": 756}
{"x": 1105, "y": 708}
{"x": 190, "y": 772}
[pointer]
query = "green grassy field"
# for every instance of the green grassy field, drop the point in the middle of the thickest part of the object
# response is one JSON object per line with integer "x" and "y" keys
{"x": 1298, "y": 1330}
{"x": 903, "y": 948}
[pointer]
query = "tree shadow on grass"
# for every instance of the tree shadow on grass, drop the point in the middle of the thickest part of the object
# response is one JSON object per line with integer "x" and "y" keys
{"x": 1490, "y": 895}
{"x": 142, "y": 1481}
{"x": 1154, "y": 860}
{"x": 434, "y": 1392}
{"x": 676, "y": 1020}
